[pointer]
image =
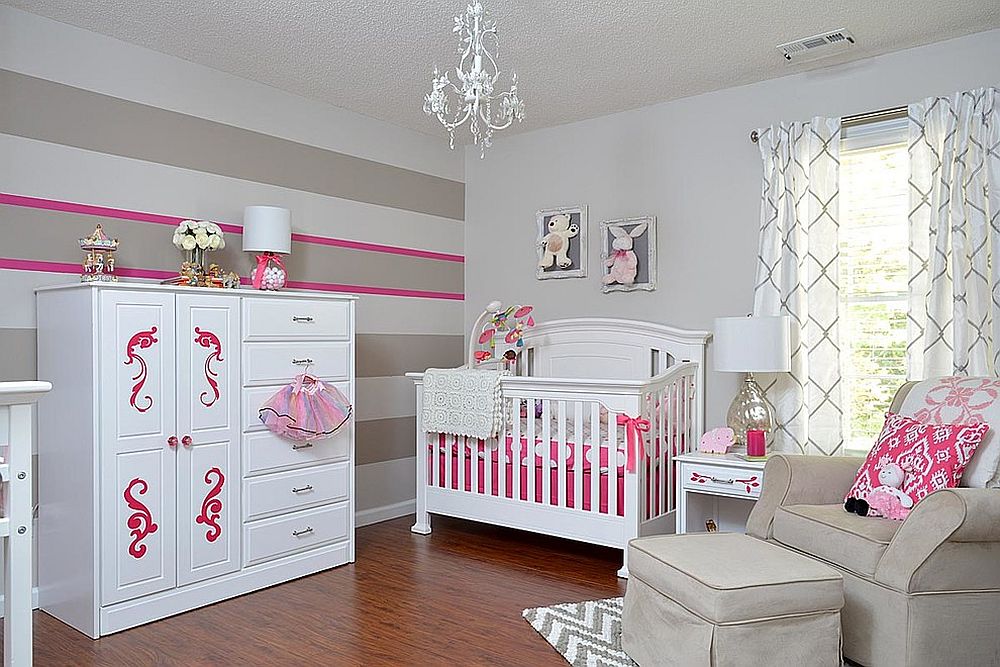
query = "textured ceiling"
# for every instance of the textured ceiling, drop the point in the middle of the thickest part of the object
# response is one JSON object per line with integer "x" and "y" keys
{"x": 575, "y": 58}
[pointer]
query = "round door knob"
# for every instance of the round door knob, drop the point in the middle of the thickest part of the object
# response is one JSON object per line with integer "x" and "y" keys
{"x": 186, "y": 441}
{"x": 172, "y": 441}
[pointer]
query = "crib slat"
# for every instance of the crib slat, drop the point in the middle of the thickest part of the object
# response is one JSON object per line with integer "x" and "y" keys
{"x": 488, "y": 462}
{"x": 474, "y": 465}
{"x": 561, "y": 475}
{"x": 531, "y": 451}
{"x": 613, "y": 465}
{"x": 595, "y": 456}
{"x": 462, "y": 447}
{"x": 515, "y": 453}
{"x": 547, "y": 452}
{"x": 666, "y": 447}
{"x": 435, "y": 457}
{"x": 578, "y": 455}
{"x": 447, "y": 461}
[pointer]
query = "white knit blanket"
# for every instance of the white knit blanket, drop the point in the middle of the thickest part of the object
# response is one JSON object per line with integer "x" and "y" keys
{"x": 463, "y": 401}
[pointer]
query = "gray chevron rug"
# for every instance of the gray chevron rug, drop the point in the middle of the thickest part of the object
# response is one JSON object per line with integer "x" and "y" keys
{"x": 587, "y": 634}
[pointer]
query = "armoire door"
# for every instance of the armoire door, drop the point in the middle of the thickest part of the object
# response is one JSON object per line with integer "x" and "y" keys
{"x": 208, "y": 425}
{"x": 137, "y": 452}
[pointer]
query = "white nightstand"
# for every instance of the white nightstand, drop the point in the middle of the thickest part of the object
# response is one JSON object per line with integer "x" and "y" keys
{"x": 720, "y": 487}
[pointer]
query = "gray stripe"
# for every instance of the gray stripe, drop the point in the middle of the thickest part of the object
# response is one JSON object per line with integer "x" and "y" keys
{"x": 387, "y": 355}
{"x": 385, "y": 439}
{"x": 148, "y": 246}
{"x": 53, "y": 112}
{"x": 17, "y": 355}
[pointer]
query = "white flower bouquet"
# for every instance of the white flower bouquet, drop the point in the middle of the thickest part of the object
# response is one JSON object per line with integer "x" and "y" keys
{"x": 199, "y": 235}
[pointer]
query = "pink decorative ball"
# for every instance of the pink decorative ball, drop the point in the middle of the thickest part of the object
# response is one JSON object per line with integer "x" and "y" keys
{"x": 273, "y": 278}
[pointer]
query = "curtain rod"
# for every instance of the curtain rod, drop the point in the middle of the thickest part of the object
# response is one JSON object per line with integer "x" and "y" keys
{"x": 858, "y": 119}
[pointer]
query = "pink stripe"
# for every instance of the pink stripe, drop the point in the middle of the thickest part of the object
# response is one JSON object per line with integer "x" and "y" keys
{"x": 139, "y": 216}
{"x": 155, "y": 274}
{"x": 377, "y": 247}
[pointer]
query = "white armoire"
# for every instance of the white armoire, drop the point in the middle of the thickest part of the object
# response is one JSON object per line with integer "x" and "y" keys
{"x": 159, "y": 490}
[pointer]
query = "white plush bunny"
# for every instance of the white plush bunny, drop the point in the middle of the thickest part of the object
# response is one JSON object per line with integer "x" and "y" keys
{"x": 623, "y": 262}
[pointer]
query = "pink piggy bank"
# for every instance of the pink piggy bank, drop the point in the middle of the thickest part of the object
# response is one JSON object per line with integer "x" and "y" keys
{"x": 716, "y": 441}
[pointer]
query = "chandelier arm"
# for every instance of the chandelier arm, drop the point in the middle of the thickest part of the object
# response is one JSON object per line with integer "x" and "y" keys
{"x": 451, "y": 126}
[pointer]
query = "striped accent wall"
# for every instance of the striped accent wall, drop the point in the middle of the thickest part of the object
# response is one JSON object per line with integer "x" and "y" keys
{"x": 73, "y": 158}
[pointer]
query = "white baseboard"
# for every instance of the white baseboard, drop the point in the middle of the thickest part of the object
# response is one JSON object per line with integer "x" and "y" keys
{"x": 384, "y": 513}
{"x": 34, "y": 600}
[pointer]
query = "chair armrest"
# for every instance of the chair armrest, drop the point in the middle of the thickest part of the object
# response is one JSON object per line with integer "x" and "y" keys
{"x": 950, "y": 541}
{"x": 791, "y": 479}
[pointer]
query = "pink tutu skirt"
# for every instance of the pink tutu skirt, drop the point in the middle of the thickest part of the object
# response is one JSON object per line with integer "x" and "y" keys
{"x": 307, "y": 409}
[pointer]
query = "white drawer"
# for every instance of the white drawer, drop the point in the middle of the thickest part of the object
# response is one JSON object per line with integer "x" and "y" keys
{"x": 271, "y": 538}
{"x": 721, "y": 479}
{"x": 278, "y": 363}
{"x": 265, "y": 452}
{"x": 254, "y": 397}
{"x": 295, "y": 319}
{"x": 295, "y": 490}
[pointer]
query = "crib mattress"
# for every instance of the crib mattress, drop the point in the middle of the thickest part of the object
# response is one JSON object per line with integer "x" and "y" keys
{"x": 478, "y": 453}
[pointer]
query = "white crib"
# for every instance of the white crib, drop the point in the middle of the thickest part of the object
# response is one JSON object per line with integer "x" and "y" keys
{"x": 583, "y": 373}
{"x": 16, "y": 399}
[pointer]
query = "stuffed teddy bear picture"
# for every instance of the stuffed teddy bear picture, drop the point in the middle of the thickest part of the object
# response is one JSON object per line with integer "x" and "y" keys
{"x": 562, "y": 243}
{"x": 628, "y": 255}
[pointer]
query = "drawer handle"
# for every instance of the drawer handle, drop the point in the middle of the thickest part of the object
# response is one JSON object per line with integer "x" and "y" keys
{"x": 301, "y": 318}
{"x": 304, "y": 531}
{"x": 302, "y": 489}
{"x": 722, "y": 481}
{"x": 304, "y": 445}
{"x": 302, "y": 362}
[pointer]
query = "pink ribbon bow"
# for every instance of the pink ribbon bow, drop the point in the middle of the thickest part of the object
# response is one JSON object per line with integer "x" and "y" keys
{"x": 634, "y": 428}
{"x": 622, "y": 254}
{"x": 262, "y": 260}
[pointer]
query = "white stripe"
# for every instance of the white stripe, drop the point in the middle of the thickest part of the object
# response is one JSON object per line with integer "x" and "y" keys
{"x": 39, "y": 169}
{"x": 385, "y": 483}
{"x": 385, "y": 398}
{"x": 399, "y": 314}
{"x": 55, "y": 51}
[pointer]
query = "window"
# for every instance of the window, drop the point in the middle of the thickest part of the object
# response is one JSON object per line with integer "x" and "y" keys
{"x": 874, "y": 167}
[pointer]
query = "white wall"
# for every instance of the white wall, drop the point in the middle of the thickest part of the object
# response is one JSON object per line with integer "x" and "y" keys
{"x": 688, "y": 162}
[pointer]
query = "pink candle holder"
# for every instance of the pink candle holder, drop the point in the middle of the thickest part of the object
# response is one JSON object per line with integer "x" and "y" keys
{"x": 756, "y": 445}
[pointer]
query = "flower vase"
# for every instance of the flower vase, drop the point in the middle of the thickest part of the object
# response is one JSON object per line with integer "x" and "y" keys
{"x": 196, "y": 258}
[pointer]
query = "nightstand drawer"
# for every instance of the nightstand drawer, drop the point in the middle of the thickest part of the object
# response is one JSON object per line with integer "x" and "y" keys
{"x": 721, "y": 479}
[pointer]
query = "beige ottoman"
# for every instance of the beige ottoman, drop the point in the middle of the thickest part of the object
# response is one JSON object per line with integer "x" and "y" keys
{"x": 729, "y": 599}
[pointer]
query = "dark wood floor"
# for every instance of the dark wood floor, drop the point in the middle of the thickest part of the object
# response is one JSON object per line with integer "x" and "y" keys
{"x": 452, "y": 598}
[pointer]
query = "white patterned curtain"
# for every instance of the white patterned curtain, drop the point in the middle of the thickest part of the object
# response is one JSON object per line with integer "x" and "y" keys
{"x": 797, "y": 274}
{"x": 954, "y": 309}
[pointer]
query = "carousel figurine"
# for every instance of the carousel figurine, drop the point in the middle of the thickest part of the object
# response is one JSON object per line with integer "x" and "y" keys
{"x": 99, "y": 262}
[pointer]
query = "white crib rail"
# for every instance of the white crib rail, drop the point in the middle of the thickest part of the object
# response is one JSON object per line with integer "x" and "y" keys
{"x": 16, "y": 399}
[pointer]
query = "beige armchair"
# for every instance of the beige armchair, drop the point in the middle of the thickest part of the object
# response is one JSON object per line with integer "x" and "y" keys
{"x": 924, "y": 591}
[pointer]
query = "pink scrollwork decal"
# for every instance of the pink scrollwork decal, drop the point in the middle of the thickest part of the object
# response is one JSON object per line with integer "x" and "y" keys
{"x": 699, "y": 478}
{"x": 140, "y": 522}
{"x": 751, "y": 483}
{"x": 211, "y": 506}
{"x": 210, "y": 341}
{"x": 142, "y": 340}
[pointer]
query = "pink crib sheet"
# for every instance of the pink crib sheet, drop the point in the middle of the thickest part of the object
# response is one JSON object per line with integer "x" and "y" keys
{"x": 477, "y": 451}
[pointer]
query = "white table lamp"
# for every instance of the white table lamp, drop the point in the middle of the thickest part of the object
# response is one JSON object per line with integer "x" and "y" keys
{"x": 267, "y": 230}
{"x": 751, "y": 345}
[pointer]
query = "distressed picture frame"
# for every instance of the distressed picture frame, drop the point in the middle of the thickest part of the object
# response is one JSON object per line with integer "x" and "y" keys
{"x": 550, "y": 237}
{"x": 638, "y": 236}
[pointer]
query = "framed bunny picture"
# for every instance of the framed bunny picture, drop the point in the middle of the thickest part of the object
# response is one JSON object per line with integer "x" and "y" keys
{"x": 628, "y": 254}
{"x": 561, "y": 243}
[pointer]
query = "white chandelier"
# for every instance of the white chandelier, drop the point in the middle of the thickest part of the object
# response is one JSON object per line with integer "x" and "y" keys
{"x": 478, "y": 79}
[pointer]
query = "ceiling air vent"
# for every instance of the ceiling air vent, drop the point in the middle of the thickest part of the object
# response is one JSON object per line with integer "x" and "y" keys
{"x": 817, "y": 46}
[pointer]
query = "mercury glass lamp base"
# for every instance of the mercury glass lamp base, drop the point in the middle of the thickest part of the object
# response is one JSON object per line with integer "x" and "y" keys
{"x": 749, "y": 410}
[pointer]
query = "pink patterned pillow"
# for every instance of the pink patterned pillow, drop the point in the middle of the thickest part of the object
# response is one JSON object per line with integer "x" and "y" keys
{"x": 932, "y": 457}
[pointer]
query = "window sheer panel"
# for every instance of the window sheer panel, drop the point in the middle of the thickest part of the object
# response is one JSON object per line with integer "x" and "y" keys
{"x": 873, "y": 275}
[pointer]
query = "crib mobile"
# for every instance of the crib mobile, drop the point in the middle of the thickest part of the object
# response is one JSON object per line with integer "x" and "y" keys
{"x": 504, "y": 324}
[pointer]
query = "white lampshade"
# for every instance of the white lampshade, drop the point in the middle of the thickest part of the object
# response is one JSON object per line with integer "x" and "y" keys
{"x": 752, "y": 344}
{"x": 267, "y": 229}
